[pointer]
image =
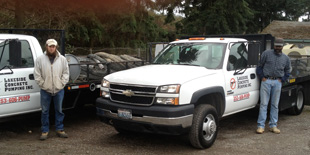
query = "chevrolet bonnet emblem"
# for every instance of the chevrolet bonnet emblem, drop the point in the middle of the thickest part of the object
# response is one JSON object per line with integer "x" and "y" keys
{"x": 128, "y": 93}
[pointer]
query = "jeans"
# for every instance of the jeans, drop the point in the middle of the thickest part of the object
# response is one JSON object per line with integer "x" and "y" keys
{"x": 269, "y": 89}
{"x": 45, "y": 104}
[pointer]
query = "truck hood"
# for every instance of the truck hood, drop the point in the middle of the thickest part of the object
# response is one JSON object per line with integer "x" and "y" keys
{"x": 156, "y": 75}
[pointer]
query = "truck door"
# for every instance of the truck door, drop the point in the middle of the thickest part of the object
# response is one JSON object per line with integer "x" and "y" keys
{"x": 19, "y": 92}
{"x": 242, "y": 85}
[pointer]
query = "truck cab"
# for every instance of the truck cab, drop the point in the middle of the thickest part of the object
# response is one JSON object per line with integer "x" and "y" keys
{"x": 19, "y": 92}
{"x": 190, "y": 85}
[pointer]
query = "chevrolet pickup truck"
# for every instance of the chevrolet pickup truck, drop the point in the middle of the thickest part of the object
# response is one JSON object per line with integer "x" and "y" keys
{"x": 191, "y": 85}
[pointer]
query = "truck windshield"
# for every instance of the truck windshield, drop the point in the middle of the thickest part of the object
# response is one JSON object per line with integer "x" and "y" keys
{"x": 209, "y": 55}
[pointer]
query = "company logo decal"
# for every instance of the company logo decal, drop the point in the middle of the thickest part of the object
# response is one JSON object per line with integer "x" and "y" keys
{"x": 243, "y": 82}
{"x": 15, "y": 84}
{"x": 128, "y": 93}
{"x": 232, "y": 83}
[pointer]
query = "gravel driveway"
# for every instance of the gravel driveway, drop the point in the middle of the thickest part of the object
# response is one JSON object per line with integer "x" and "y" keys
{"x": 87, "y": 135}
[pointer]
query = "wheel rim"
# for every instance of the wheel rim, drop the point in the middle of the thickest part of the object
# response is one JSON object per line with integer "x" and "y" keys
{"x": 208, "y": 127}
{"x": 300, "y": 100}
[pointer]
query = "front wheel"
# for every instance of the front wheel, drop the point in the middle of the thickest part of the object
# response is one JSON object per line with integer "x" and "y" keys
{"x": 205, "y": 127}
{"x": 299, "y": 106}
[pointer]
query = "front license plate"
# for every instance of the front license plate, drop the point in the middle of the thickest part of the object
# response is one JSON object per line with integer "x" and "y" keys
{"x": 124, "y": 113}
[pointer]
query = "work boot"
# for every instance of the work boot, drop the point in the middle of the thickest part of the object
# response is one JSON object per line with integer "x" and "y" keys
{"x": 44, "y": 136}
{"x": 274, "y": 130}
{"x": 260, "y": 130}
{"x": 61, "y": 134}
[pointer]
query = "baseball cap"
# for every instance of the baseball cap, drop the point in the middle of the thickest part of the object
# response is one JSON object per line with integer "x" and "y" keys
{"x": 279, "y": 42}
{"x": 51, "y": 42}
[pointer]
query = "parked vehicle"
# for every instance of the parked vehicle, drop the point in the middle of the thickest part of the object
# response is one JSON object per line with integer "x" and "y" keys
{"x": 191, "y": 85}
{"x": 19, "y": 93}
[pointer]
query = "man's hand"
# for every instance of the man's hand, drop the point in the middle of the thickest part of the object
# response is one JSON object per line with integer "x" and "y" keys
{"x": 264, "y": 79}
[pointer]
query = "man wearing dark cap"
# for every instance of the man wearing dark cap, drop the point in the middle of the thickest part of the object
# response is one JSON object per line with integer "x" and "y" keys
{"x": 273, "y": 69}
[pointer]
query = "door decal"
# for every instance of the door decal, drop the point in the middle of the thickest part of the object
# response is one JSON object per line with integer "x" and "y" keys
{"x": 232, "y": 83}
{"x": 14, "y": 99}
{"x": 14, "y": 84}
{"x": 243, "y": 82}
{"x": 241, "y": 97}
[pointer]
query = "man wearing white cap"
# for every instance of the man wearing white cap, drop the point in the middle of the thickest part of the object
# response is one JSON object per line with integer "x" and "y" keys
{"x": 273, "y": 69}
{"x": 51, "y": 73}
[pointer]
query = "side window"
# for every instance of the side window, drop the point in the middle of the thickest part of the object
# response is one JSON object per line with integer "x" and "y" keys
{"x": 238, "y": 57}
{"x": 26, "y": 55}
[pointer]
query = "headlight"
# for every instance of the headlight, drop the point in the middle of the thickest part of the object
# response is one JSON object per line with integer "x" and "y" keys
{"x": 167, "y": 100}
{"x": 105, "y": 94}
{"x": 169, "y": 89}
{"x": 105, "y": 83}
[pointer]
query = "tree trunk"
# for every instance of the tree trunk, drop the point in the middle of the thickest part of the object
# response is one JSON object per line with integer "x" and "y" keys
{"x": 19, "y": 14}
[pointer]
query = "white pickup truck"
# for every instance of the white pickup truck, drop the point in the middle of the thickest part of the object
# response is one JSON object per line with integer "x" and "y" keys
{"x": 190, "y": 85}
{"x": 19, "y": 93}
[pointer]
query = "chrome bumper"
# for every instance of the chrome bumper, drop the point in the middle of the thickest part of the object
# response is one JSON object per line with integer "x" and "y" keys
{"x": 184, "y": 121}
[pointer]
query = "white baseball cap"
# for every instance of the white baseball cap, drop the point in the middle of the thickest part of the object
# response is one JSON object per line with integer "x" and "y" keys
{"x": 51, "y": 42}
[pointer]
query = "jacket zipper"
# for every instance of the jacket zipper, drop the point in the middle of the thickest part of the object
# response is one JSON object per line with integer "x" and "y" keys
{"x": 53, "y": 85}
{"x": 53, "y": 89}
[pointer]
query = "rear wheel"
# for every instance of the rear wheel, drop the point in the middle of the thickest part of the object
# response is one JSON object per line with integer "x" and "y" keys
{"x": 205, "y": 127}
{"x": 299, "y": 106}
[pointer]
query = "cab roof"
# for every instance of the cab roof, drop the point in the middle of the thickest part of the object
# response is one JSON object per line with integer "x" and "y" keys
{"x": 209, "y": 40}
{"x": 15, "y": 36}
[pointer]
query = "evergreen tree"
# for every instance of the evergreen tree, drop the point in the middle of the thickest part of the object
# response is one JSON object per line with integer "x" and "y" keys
{"x": 215, "y": 17}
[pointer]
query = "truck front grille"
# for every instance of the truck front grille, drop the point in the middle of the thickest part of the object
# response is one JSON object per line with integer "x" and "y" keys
{"x": 132, "y": 94}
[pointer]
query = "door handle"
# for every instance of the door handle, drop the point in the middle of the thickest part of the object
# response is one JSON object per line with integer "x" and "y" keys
{"x": 252, "y": 76}
{"x": 31, "y": 76}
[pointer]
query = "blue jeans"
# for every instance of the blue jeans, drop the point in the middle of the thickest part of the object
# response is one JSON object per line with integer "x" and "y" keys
{"x": 270, "y": 89}
{"x": 45, "y": 104}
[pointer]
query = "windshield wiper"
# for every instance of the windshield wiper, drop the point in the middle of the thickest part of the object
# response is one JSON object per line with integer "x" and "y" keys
{"x": 6, "y": 66}
{"x": 189, "y": 64}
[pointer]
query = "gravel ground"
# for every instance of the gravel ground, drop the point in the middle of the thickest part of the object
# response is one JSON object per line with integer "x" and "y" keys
{"x": 87, "y": 135}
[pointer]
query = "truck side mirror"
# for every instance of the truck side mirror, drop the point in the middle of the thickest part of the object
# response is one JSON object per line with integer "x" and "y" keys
{"x": 15, "y": 53}
{"x": 253, "y": 56}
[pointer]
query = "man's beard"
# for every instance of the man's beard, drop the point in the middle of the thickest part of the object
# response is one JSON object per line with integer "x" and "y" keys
{"x": 277, "y": 51}
{"x": 53, "y": 55}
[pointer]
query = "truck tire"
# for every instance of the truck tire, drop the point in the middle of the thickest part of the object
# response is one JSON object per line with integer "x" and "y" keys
{"x": 297, "y": 109}
{"x": 204, "y": 127}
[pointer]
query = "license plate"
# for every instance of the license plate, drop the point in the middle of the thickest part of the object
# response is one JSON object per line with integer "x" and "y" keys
{"x": 124, "y": 113}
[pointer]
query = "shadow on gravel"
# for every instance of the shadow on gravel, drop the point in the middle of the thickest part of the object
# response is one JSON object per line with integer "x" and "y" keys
{"x": 31, "y": 123}
{"x": 241, "y": 121}
{"x": 148, "y": 141}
